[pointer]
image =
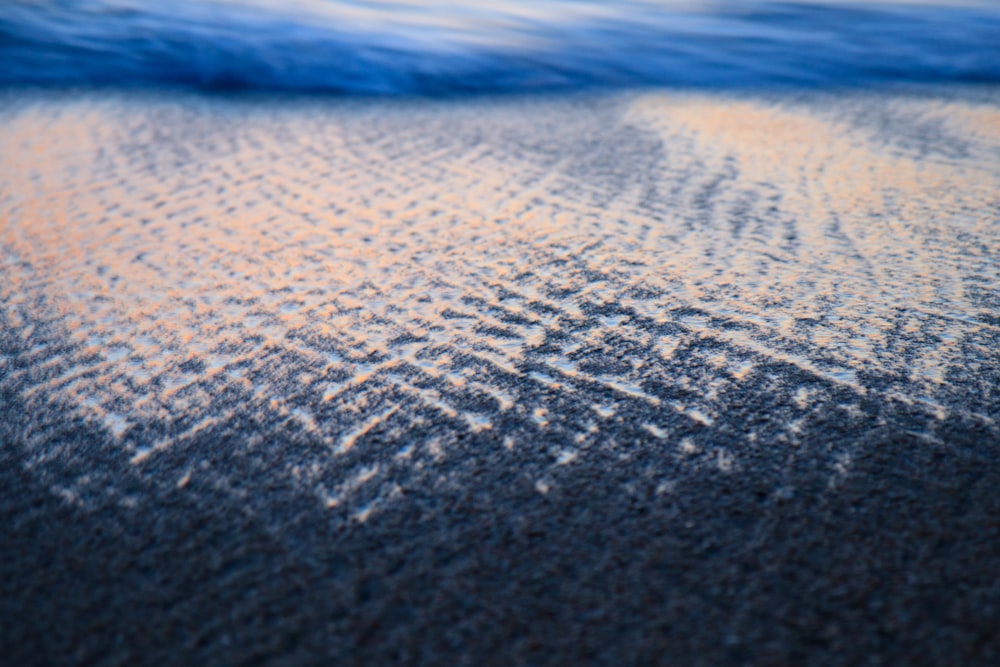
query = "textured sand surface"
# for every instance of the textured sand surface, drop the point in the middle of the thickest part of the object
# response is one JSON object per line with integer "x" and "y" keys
{"x": 652, "y": 378}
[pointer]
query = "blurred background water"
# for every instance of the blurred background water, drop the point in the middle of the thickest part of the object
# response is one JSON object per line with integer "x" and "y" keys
{"x": 406, "y": 47}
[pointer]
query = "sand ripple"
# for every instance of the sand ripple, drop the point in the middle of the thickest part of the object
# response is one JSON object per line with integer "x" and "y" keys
{"x": 699, "y": 277}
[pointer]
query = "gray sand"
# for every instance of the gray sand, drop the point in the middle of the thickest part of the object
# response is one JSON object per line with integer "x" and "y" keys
{"x": 638, "y": 379}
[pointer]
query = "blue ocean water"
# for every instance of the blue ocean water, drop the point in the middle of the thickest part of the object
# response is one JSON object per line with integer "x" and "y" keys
{"x": 406, "y": 47}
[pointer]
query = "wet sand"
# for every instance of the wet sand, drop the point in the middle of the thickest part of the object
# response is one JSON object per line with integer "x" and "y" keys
{"x": 647, "y": 378}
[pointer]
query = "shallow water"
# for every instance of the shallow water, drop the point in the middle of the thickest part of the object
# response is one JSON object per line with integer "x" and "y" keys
{"x": 453, "y": 47}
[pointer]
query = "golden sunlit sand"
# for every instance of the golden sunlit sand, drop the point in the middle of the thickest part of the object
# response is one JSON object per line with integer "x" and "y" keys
{"x": 361, "y": 316}
{"x": 440, "y": 255}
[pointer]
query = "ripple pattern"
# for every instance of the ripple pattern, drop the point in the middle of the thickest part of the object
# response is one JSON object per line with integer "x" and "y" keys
{"x": 695, "y": 281}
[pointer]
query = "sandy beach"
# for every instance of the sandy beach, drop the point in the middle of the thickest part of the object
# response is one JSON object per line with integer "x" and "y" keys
{"x": 625, "y": 378}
